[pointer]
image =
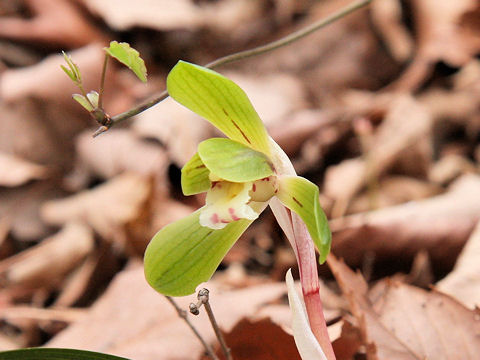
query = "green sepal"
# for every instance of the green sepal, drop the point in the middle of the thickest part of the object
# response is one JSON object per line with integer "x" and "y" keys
{"x": 129, "y": 57}
{"x": 184, "y": 254}
{"x": 302, "y": 196}
{"x": 233, "y": 161}
{"x": 82, "y": 100}
{"x": 195, "y": 178}
{"x": 55, "y": 354}
{"x": 220, "y": 101}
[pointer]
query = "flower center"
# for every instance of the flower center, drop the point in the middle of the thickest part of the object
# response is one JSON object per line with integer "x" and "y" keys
{"x": 264, "y": 189}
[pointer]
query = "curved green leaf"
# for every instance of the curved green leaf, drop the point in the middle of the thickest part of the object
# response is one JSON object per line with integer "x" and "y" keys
{"x": 82, "y": 100}
{"x": 302, "y": 197}
{"x": 195, "y": 178}
{"x": 129, "y": 57}
{"x": 184, "y": 254}
{"x": 73, "y": 71}
{"x": 232, "y": 161}
{"x": 55, "y": 354}
{"x": 220, "y": 101}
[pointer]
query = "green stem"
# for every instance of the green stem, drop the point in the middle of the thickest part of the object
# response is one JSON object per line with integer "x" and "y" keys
{"x": 101, "y": 90}
{"x": 243, "y": 55}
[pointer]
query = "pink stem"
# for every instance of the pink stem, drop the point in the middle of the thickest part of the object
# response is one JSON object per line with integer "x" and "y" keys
{"x": 307, "y": 264}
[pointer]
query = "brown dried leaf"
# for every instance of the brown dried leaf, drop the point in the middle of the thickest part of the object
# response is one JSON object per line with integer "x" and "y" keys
{"x": 441, "y": 225}
{"x": 106, "y": 208}
{"x": 57, "y": 22}
{"x": 387, "y": 17}
{"x": 393, "y": 190}
{"x": 121, "y": 150}
{"x": 178, "y": 128}
{"x": 260, "y": 340}
{"x": 409, "y": 323}
{"x": 463, "y": 283}
{"x": 406, "y": 123}
{"x": 47, "y": 263}
{"x": 15, "y": 171}
{"x": 441, "y": 37}
{"x": 179, "y": 14}
{"x": 132, "y": 320}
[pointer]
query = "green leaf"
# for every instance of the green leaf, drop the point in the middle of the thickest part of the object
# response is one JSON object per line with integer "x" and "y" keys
{"x": 184, "y": 254}
{"x": 302, "y": 196}
{"x": 129, "y": 57}
{"x": 195, "y": 178}
{"x": 55, "y": 354}
{"x": 73, "y": 71}
{"x": 220, "y": 101}
{"x": 233, "y": 161}
{"x": 82, "y": 100}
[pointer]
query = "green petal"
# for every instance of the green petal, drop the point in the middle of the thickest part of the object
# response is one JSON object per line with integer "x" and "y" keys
{"x": 302, "y": 197}
{"x": 195, "y": 178}
{"x": 232, "y": 161}
{"x": 55, "y": 354}
{"x": 129, "y": 57}
{"x": 220, "y": 101}
{"x": 184, "y": 254}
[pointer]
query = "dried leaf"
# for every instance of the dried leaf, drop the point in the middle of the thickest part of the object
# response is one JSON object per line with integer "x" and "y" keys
{"x": 260, "y": 340}
{"x": 120, "y": 151}
{"x": 409, "y": 323}
{"x": 48, "y": 262}
{"x": 142, "y": 325}
{"x": 15, "y": 171}
{"x": 106, "y": 208}
{"x": 406, "y": 123}
{"x": 441, "y": 225}
{"x": 57, "y": 22}
{"x": 463, "y": 283}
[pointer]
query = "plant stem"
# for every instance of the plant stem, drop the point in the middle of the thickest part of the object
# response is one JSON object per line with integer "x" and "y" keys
{"x": 307, "y": 264}
{"x": 243, "y": 55}
{"x": 101, "y": 90}
{"x": 203, "y": 296}
{"x": 183, "y": 314}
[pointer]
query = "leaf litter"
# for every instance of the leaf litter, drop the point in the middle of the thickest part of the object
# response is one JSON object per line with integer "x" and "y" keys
{"x": 380, "y": 109}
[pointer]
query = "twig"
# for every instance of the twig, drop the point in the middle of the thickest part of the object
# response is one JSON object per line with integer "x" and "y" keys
{"x": 183, "y": 314}
{"x": 102, "y": 81}
{"x": 243, "y": 55}
{"x": 203, "y": 299}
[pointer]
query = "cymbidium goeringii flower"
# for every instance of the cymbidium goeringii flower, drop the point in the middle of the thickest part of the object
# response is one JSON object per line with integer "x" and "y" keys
{"x": 241, "y": 175}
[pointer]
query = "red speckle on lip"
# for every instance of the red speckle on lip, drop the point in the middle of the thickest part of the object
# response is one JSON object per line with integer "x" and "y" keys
{"x": 214, "y": 219}
{"x": 232, "y": 214}
{"x": 254, "y": 188}
{"x": 225, "y": 221}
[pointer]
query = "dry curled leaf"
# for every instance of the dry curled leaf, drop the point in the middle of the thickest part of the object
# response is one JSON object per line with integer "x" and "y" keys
{"x": 106, "y": 208}
{"x": 463, "y": 283}
{"x": 132, "y": 320}
{"x": 57, "y": 22}
{"x": 405, "y": 126}
{"x": 121, "y": 151}
{"x": 408, "y": 323}
{"x": 440, "y": 225}
{"x": 15, "y": 171}
{"x": 47, "y": 263}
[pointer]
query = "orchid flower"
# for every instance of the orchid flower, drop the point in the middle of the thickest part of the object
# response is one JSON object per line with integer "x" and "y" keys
{"x": 242, "y": 175}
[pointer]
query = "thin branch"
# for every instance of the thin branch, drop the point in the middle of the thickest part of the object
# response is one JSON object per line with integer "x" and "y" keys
{"x": 183, "y": 314}
{"x": 243, "y": 55}
{"x": 102, "y": 81}
{"x": 203, "y": 299}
